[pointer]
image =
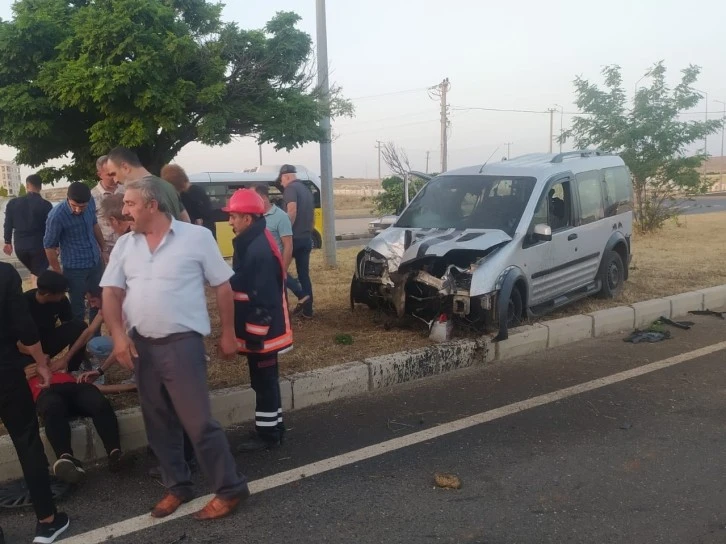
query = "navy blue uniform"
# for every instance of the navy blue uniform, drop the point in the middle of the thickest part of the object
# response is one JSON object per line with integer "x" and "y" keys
{"x": 262, "y": 322}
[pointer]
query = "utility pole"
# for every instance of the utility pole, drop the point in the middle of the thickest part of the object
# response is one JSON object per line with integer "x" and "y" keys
{"x": 562, "y": 117}
{"x": 508, "y": 144}
{"x": 260, "y": 146}
{"x": 552, "y": 126}
{"x": 326, "y": 151}
{"x": 427, "y": 161}
{"x": 378, "y": 146}
{"x": 723, "y": 129}
{"x": 439, "y": 91}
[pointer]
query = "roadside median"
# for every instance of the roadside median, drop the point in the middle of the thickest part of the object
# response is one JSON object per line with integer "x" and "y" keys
{"x": 234, "y": 406}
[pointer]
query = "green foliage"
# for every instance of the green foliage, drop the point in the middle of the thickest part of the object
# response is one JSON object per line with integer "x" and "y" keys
{"x": 344, "y": 339}
{"x": 650, "y": 137}
{"x": 22, "y": 191}
{"x": 3, "y": 192}
{"x": 78, "y": 78}
{"x": 391, "y": 200}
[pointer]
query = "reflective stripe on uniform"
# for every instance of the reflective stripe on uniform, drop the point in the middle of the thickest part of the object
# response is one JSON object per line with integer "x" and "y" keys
{"x": 259, "y": 330}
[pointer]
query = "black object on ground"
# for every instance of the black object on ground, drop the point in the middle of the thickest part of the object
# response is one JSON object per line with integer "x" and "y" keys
{"x": 720, "y": 315}
{"x": 651, "y": 337}
{"x": 685, "y": 325}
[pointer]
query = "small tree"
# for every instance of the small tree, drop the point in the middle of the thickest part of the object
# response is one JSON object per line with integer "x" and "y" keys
{"x": 3, "y": 192}
{"x": 650, "y": 137}
{"x": 391, "y": 200}
{"x": 22, "y": 191}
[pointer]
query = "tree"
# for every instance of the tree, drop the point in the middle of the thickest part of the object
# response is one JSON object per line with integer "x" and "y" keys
{"x": 79, "y": 77}
{"x": 22, "y": 191}
{"x": 650, "y": 137}
{"x": 3, "y": 192}
{"x": 391, "y": 200}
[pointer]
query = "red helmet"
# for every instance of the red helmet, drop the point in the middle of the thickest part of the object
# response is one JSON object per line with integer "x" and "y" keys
{"x": 245, "y": 201}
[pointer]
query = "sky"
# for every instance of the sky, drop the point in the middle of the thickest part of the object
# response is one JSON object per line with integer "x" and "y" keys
{"x": 520, "y": 55}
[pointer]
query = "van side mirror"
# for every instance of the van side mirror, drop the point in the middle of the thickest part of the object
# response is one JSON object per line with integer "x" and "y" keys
{"x": 542, "y": 233}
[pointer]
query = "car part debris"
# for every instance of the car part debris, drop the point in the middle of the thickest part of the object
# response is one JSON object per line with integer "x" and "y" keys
{"x": 685, "y": 325}
{"x": 720, "y": 315}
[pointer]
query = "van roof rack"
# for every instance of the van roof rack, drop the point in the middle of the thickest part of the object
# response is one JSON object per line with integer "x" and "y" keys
{"x": 580, "y": 153}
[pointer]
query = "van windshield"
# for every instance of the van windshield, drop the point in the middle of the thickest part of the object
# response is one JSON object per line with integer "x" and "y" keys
{"x": 469, "y": 202}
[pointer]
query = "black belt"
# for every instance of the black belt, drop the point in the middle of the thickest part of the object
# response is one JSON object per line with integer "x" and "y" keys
{"x": 166, "y": 339}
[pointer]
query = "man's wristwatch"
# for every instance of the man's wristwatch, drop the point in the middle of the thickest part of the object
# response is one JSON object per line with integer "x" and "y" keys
{"x": 100, "y": 371}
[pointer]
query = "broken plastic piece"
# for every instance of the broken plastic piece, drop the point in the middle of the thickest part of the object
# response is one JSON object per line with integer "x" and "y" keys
{"x": 720, "y": 315}
{"x": 685, "y": 325}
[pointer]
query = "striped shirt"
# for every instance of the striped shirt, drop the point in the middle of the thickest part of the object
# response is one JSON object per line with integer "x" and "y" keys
{"x": 74, "y": 235}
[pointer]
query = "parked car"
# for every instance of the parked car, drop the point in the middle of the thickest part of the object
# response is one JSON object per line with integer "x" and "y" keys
{"x": 494, "y": 244}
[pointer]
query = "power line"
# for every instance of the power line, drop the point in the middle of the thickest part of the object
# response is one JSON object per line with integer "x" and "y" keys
{"x": 389, "y": 94}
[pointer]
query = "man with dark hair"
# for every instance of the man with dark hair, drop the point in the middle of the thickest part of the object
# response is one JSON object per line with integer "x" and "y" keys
{"x": 105, "y": 187}
{"x": 300, "y": 207}
{"x": 124, "y": 166}
{"x": 194, "y": 198}
{"x": 73, "y": 229}
{"x": 52, "y": 315}
{"x": 26, "y": 216}
{"x": 16, "y": 403}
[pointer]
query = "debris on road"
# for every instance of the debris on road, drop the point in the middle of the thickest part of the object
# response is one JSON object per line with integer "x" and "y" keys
{"x": 651, "y": 337}
{"x": 447, "y": 481}
{"x": 720, "y": 315}
{"x": 626, "y": 426}
{"x": 685, "y": 325}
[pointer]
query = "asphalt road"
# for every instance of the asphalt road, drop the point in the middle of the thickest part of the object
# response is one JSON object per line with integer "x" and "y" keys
{"x": 639, "y": 460}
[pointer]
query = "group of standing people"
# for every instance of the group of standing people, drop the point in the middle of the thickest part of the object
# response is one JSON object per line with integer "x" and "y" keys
{"x": 148, "y": 243}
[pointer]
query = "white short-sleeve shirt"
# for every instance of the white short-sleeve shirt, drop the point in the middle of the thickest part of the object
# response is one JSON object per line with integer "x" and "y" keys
{"x": 165, "y": 289}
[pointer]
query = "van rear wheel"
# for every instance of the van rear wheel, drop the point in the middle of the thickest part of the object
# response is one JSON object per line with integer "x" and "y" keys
{"x": 611, "y": 275}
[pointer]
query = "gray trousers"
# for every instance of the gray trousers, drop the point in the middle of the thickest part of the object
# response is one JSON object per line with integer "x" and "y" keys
{"x": 171, "y": 375}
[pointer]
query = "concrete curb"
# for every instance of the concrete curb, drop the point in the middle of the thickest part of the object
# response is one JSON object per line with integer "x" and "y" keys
{"x": 236, "y": 405}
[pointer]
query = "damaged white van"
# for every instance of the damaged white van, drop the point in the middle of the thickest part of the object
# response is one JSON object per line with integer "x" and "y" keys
{"x": 494, "y": 244}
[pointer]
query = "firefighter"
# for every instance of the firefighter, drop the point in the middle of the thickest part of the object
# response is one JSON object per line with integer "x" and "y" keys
{"x": 261, "y": 316}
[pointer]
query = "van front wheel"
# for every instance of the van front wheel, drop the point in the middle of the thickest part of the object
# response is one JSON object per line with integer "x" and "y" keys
{"x": 611, "y": 275}
{"x": 317, "y": 240}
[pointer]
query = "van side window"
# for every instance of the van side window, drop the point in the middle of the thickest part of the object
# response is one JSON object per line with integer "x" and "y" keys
{"x": 555, "y": 207}
{"x": 589, "y": 188}
{"x": 619, "y": 191}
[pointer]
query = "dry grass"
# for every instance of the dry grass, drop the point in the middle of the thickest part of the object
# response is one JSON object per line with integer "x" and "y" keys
{"x": 684, "y": 256}
{"x": 352, "y": 205}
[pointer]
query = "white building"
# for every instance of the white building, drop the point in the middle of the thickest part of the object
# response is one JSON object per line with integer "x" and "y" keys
{"x": 10, "y": 177}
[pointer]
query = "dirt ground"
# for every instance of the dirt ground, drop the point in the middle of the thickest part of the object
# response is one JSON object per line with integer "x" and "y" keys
{"x": 686, "y": 255}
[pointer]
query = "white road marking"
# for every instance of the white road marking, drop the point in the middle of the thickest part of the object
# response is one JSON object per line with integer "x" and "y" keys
{"x": 145, "y": 521}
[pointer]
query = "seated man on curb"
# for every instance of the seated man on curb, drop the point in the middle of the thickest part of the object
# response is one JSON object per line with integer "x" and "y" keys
{"x": 51, "y": 312}
{"x": 60, "y": 402}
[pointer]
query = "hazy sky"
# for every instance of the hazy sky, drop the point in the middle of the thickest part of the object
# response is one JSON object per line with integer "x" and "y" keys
{"x": 514, "y": 55}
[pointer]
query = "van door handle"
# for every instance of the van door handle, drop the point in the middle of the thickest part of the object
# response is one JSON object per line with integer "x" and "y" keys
{"x": 572, "y": 237}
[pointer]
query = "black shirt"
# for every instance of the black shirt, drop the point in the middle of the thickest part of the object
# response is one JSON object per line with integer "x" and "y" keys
{"x": 26, "y": 215}
{"x": 298, "y": 193}
{"x": 46, "y": 316}
{"x": 16, "y": 322}
{"x": 199, "y": 206}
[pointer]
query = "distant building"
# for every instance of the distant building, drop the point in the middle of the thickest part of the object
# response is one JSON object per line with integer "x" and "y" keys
{"x": 10, "y": 177}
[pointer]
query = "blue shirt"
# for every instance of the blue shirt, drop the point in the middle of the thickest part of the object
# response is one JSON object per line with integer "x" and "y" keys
{"x": 279, "y": 225}
{"x": 165, "y": 289}
{"x": 74, "y": 235}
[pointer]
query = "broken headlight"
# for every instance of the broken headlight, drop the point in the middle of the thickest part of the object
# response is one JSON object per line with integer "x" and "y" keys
{"x": 371, "y": 264}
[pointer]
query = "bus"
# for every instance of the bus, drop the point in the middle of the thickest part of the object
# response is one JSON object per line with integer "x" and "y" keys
{"x": 220, "y": 186}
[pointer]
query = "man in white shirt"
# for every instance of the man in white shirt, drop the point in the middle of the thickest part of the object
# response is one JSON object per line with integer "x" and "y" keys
{"x": 156, "y": 279}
